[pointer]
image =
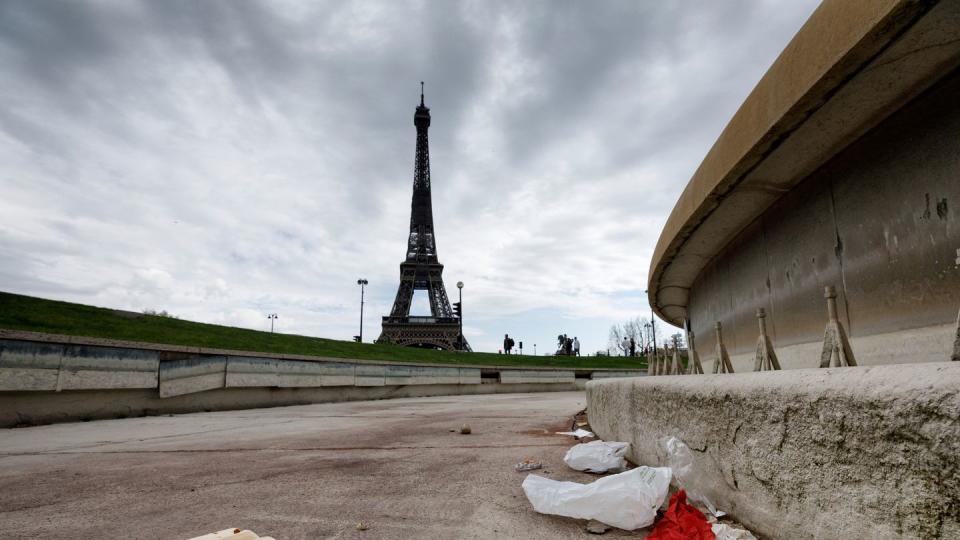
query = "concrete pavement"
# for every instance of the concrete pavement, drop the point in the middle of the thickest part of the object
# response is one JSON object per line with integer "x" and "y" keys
{"x": 309, "y": 471}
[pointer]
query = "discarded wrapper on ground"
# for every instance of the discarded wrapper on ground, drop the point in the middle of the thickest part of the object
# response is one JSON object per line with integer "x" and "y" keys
{"x": 597, "y": 456}
{"x": 628, "y": 500}
{"x": 579, "y": 433}
{"x": 725, "y": 532}
{"x": 232, "y": 534}
{"x": 681, "y": 521}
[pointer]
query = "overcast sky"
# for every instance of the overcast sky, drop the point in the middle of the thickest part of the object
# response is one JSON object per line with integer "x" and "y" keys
{"x": 223, "y": 160}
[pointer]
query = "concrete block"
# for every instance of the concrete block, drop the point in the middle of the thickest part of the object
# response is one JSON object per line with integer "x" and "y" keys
{"x": 517, "y": 376}
{"x": 86, "y": 367}
{"x": 404, "y": 375}
{"x": 28, "y": 365}
{"x": 615, "y": 374}
{"x": 856, "y": 452}
{"x": 247, "y": 371}
{"x": 191, "y": 375}
{"x": 469, "y": 376}
{"x": 301, "y": 374}
{"x": 370, "y": 375}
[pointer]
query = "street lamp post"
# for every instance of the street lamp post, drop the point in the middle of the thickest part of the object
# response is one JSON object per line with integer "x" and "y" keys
{"x": 362, "y": 283}
{"x": 653, "y": 327}
{"x": 460, "y": 341}
{"x": 272, "y": 317}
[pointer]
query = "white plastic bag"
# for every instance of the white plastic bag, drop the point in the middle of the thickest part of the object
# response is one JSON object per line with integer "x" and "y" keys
{"x": 628, "y": 500}
{"x": 680, "y": 460}
{"x": 725, "y": 532}
{"x": 579, "y": 433}
{"x": 597, "y": 456}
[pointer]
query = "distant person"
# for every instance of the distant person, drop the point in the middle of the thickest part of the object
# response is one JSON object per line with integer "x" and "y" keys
{"x": 567, "y": 346}
{"x": 507, "y": 343}
{"x": 633, "y": 347}
{"x": 625, "y": 345}
{"x": 576, "y": 346}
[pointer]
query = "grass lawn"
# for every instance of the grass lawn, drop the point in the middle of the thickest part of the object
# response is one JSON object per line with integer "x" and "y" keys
{"x": 19, "y": 312}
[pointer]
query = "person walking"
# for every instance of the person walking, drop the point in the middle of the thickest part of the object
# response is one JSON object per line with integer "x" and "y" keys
{"x": 576, "y": 346}
{"x": 625, "y": 345}
{"x": 507, "y": 343}
{"x": 633, "y": 347}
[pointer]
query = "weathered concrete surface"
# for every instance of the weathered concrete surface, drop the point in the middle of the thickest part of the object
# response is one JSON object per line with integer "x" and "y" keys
{"x": 859, "y": 452}
{"x": 294, "y": 472}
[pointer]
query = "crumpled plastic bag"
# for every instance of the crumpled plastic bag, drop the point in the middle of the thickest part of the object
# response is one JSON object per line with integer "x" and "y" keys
{"x": 726, "y": 532}
{"x": 597, "y": 456}
{"x": 628, "y": 500}
{"x": 680, "y": 460}
{"x": 681, "y": 521}
{"x": 580, "y": 433}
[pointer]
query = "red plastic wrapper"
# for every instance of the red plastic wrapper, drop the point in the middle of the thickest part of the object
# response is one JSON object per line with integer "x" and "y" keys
{"x": 682, "y": 521}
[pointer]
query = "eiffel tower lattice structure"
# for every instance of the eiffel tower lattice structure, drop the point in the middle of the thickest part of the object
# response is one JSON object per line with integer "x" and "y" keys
{"x": 421, "y": 270}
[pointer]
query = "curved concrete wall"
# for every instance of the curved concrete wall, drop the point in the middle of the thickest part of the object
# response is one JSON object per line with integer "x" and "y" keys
{"x": 879, "y": 222}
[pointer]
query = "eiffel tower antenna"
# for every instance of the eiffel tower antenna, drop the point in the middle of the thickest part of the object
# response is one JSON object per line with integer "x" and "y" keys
{"x": 421, "y": 270}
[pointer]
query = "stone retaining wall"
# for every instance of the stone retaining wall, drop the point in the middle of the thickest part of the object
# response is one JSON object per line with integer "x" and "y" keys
{"x": 37, "y": 370}
{"x": 863, "y": 452}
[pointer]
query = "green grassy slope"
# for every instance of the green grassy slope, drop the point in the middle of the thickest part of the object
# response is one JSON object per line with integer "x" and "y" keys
{"x": 19, "y": 312}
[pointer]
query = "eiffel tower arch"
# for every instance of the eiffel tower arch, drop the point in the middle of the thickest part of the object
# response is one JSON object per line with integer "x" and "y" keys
{"x": 421, "y": 270}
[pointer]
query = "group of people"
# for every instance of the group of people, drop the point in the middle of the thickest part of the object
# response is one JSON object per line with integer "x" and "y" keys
{"x": 629, "y": 345}
{"x": 567, "y": 346}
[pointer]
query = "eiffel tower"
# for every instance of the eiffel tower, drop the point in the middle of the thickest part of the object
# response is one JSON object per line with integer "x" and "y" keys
{"x": 422, "y": 270}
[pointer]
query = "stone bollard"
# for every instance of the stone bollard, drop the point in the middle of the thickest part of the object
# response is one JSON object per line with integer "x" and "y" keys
{"x": 696, "y": 367}
{"x": 722, "y": 364}
{"x": 766, "y": 358}
{"x": 836, "y": 347}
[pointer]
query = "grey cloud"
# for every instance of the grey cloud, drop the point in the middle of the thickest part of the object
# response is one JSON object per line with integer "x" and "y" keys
{"x": 219, "y": 159}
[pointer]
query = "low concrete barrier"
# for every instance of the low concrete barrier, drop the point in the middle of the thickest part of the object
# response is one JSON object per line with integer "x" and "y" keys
{"x": 41, "y": 372}
{"x": 857, "y": 452}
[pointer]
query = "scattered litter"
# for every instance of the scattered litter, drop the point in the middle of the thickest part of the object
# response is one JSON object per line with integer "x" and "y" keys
{"x": 232, "y": 534}
{"x": 628, "y": 500}
{"x": 682, "y": 521}
{"x": 465, "y": 429}
{"x": 361, "y": 526}
{"x": 725, "y": 532}
{"x": 528, "y": 465}
{"x": 597, "y": 456}
{"x": 596, "y": 527}
{"x": 579, "y": 424}
{"x": 680, "y": 460}
{"x": 579, "y": 433}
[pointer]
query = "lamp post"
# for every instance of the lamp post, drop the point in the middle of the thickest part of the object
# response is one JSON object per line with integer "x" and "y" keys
{"x": 362, "y": 283}
{"x": 272, "y": 317}
{"x": 460, "y": 341}
{"x": 653, "y": 327}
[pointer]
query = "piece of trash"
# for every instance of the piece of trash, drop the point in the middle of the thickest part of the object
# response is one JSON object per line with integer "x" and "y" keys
{"x": 528, "y": 465}
{"x": 680, "y": 460}
{"x": 681, "y": 521}
{"x": 596, "y": 527}
{"x": 725, "y": 532}
{"x": 232, "y": 533}
{"x": 628, "y": 500}
{"x": 361, "y": 526}
{"x": 597, "y": 456}
{"x": 579, "y": 424}
{"x": 580, "y": 433}
{"x": 465, "y": 429}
